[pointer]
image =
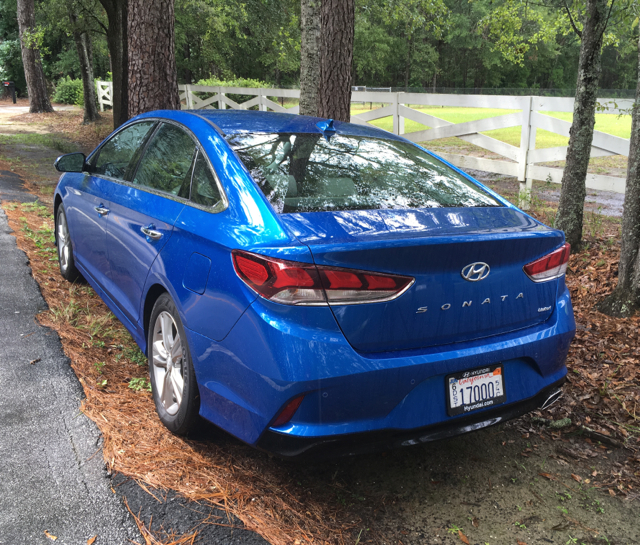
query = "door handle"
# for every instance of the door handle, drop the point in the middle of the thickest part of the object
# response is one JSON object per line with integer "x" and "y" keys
{"x": 101, "y": 210}
{"x": 150, "y": 233}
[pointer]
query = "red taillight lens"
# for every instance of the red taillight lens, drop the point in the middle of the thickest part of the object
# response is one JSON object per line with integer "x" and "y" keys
{"x": 287, "y": 413}
{"x": 287, "y": 282}
{"x": 550, "y": 266}
{"x": 293, "y": 283}
{"x": 254, "y": 272}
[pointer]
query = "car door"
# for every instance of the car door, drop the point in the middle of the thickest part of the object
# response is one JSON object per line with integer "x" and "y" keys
{"x": 87, "y": 203}
{"x": 144, "y": 211}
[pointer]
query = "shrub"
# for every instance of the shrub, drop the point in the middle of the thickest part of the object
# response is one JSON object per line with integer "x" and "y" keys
{"x": 69, "y": 91}
{"x": 235, "y": 82}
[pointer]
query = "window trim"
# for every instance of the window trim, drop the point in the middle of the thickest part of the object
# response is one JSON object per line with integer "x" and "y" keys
{"x": 220, "y": 206}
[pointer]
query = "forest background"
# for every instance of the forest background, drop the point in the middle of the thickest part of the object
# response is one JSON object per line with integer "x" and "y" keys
{"x": 408, "y": 44}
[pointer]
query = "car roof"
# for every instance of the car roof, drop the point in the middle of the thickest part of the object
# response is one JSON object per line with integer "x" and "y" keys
{"x": 251, "y": 121}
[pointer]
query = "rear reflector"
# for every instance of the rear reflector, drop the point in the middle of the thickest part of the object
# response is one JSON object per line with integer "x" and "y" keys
{"x": 550, "y": 266}
{"x": 294, "y": 283}
{"x": 287, "y": 413}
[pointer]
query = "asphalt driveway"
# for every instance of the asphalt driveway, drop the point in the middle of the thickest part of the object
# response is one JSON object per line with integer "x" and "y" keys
{"x": 50, "y": 480}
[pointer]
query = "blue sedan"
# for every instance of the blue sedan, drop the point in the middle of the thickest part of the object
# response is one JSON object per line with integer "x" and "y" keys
{"x": 315, "y": 287}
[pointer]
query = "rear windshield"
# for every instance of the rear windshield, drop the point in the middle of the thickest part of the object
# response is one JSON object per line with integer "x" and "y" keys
{"x": 308, "y": 173}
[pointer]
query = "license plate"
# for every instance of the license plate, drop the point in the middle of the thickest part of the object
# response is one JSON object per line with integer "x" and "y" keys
{"x": 472, "y": 390}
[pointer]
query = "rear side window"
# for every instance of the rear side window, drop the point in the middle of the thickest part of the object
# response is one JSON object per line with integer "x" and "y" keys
{"x": 166, "y": 163}
{"x": 115, "y": 155}
{"x": 204, "y": 190}
{"x": 308, "y": 173}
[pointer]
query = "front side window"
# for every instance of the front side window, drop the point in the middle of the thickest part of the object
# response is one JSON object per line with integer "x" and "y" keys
{"x": 116, "y": 155}
{"x": 167, "y": 161}
{"x": 308, "y": 173}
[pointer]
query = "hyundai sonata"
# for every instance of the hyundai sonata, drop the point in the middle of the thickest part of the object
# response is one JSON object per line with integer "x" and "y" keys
{"x": 312, "y": 286}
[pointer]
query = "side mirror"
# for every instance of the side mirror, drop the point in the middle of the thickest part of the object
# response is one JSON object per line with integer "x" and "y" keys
{"x": 71, "y": 162}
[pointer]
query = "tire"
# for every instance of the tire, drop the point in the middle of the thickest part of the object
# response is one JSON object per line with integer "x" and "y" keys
{"x": 173, "y": 381}
{"x": 66, "y": 262}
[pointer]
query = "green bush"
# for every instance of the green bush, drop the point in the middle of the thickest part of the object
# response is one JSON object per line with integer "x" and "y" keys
{"x": 234, "y": 82}
{"x": 69, "y": 91}
{"x": 11, "y": 65}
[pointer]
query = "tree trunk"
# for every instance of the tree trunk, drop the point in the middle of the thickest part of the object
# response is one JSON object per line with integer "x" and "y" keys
{"x": 407, "y": 65}
{"x": 625, "y": 299}
{"x": 309, "y": 56}
{"x": 118, "y": 53}
{"x": 153, "y": 79}
{"x": 336, "y": 56}
{"x": 573, "y": 191}
{"x": 85, "y": 54}
{"x": 188, "y": 75}
{"x": 36, "y": 85}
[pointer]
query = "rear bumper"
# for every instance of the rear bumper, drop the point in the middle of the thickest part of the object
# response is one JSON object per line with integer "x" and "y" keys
{"x": 303, "y": 448}
{"x": 276, "y": 353}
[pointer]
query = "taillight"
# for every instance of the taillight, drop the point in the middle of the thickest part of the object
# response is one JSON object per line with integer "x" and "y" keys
{"x": 550, "y": 266}
{"x": 294, "y": 283}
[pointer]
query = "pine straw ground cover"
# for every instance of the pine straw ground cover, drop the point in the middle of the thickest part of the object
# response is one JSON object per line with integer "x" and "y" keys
{"x": 259, "y": 491}
{"x": 601, "y": 403}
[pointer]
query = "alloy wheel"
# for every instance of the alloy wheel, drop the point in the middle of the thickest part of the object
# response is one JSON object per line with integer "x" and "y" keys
{"x": 64, "y": 245}
{"x": 168, "y": 361}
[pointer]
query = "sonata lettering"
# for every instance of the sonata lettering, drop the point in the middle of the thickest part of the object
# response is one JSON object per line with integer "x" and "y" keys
{"x": 447, "y": 306}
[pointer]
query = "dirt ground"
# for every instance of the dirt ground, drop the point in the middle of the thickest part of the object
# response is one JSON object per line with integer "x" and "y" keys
{"x": 536, "y": 480}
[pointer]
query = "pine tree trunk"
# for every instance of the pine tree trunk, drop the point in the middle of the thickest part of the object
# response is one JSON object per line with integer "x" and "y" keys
{"x": 336, "y": 56}
{"x": 85, "y": 54}
{"x": 407, "y": 64}
{"x": 153, "y": 79}
{"x": 573, "y": 191}
{"x": 118, "y": 56}
{"x": 36, "y": 84}
{"x": 625, "y": 299}
{"x": 309, "y": 56}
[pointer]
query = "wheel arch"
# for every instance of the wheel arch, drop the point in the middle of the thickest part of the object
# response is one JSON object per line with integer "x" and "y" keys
{"x": 56, "y": 204}
{"x": 154, "y": 292}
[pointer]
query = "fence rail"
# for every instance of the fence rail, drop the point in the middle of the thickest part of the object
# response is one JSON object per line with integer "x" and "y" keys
{"x": 523, "y": 162}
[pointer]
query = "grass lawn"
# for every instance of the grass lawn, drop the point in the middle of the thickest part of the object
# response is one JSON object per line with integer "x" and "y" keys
{"x": 607, "y": 123}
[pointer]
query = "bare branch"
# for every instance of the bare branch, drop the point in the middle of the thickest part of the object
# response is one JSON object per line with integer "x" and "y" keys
{"x": 573, "y": 25}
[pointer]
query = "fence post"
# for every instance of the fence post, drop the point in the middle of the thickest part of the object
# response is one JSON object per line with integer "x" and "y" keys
{"x": 100, "y": 101}
{"x": 396, "y": 114}
{"x": 532, "y": 145}
{"x": 188, "y": 98}
{"x": 263, "y": 106}
{"x": 524, "y": 197}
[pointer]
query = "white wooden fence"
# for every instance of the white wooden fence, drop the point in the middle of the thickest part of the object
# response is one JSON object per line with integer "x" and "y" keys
{"x": 523, "y": 162}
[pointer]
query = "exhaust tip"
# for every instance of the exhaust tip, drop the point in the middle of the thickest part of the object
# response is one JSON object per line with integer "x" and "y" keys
{"x": 555, "y": 396}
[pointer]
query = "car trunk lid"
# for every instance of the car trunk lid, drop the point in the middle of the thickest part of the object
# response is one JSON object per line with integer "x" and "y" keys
{"x": 434, "y": 246}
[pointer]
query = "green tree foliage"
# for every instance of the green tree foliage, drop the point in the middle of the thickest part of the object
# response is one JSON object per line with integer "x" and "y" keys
{"x": 255, "y": 39}
{"x": 10, "y": 55}
{"x": 398, "y": 43}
